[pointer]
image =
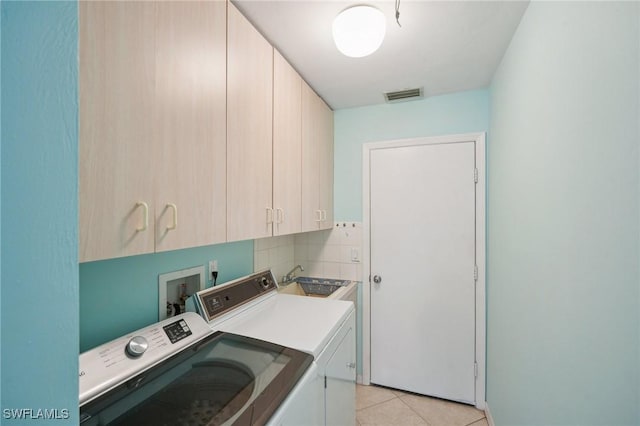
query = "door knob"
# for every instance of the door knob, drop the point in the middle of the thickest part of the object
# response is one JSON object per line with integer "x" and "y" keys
{"x": 377, "y": 279}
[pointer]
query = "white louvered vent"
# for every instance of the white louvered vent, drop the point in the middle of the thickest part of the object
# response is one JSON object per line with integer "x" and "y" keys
{"x": 403, "y": 95}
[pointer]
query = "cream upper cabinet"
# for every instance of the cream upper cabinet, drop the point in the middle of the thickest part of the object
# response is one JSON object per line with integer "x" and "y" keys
{"x": 190, "y": 130}
{"x": 325, "y": 180}
{"x": 116, "y": 89}
{"x": 287, "y": 147}
{"x": 152, "y": 126}
{"x": 193, "y": 131}
{"x": 249, "y": 130}
{"x": 317, "y": 162}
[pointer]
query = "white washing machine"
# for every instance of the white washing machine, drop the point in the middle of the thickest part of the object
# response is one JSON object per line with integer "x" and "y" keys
{"x": 180, "y": 372}
{"x": 324, "y": 328}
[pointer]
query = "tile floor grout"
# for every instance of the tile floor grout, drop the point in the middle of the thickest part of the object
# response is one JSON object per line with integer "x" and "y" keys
{"x": 414, "y": 411}
{"x": 447, "y": 408}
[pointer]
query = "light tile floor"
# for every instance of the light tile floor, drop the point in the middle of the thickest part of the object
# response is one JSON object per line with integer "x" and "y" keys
{"x": 382, "y": 406}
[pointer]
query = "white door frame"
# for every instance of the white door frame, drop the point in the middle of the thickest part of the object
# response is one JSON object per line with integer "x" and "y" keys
{"x": 479, "y": 143}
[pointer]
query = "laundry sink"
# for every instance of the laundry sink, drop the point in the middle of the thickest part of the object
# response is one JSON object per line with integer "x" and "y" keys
{"x": 321, "y": 286}
{"x": 314, "y": 287}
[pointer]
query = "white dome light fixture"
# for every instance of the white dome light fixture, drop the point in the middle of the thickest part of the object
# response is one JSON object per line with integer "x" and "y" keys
{"x": 359, "y": 30}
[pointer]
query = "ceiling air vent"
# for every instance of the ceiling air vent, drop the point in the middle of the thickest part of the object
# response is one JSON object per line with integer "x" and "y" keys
{"x": 403, "y": 95}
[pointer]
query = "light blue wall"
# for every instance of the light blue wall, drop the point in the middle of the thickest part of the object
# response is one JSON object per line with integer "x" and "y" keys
{"x": 563, "y": 280}
{"x": 463, "y": 112}
{"x": 39, "y": 208}
{"x": 121, "y": 295}
{"x": 0, "y": 207}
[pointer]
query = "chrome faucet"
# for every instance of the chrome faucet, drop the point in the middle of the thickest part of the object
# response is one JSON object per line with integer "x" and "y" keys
{"x": 290, "y": 277}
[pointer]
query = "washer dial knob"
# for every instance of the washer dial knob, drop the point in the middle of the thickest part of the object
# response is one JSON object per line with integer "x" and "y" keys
{"x": 136, "y": 346}
{"x": 265, "y": 283}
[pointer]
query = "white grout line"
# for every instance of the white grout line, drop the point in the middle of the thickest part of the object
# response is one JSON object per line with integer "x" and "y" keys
{"x": 414, "y": 411}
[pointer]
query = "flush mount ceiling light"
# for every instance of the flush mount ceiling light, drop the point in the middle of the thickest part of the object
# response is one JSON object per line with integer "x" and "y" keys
{"x": 359, "y": 30}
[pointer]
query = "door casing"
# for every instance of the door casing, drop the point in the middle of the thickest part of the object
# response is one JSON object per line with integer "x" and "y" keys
{"x": 480, "y": 334}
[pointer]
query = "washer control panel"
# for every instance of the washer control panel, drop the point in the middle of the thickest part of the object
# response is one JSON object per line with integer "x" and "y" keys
{"x": 177, "y": 331}
{"x": 216, "y": 301}
{"x": 111, "y": 363}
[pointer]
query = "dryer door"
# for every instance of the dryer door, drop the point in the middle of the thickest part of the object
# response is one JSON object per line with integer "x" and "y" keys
{"x": 340, "y": 376}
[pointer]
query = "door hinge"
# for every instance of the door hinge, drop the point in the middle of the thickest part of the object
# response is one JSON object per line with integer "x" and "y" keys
{"x": 475, "y": 175}
{"x": 475, "y": 369}
{"x": 475, "y": 272}
{"x": 325, "y": 382}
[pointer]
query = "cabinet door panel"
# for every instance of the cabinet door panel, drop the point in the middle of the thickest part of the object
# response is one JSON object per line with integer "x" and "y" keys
{"x": 190, "y": 134}
{"x": 249, "y": 130}
{"x": 311, "y": 152}
{"x": 325, "y": 115}
{"x": 116, "y": 91}
{"x": 287, "y": 147}
{"x": 317, "y": 162}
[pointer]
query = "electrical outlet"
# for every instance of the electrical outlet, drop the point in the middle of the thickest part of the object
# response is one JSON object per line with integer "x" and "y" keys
{"x": 213, "y": 266}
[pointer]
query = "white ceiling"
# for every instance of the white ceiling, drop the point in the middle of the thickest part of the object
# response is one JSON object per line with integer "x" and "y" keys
{"x": 443, "y": 46}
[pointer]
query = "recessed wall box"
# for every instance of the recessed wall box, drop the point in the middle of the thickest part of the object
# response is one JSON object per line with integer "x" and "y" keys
{"x": 175, "y": 287}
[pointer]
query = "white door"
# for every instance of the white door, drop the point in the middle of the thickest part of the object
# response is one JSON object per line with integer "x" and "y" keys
{"x": 422, "y": 238}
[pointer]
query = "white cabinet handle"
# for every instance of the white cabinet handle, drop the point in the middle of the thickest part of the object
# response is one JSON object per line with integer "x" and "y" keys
{"x": 280, "y": 216}
{"x": 269, "y": 215}
{"x": 318, "y": 215}
{"x": 145, "y": 215}
{"x": 324, "y": 215}
{"x": 174, "y": 224}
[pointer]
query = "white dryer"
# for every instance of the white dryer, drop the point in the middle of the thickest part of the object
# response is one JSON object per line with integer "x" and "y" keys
{"x": 324, "y": 328}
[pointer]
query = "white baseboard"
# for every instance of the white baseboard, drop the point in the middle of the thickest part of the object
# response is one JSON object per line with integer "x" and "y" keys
{"x": 359, "y": 379}
{"x": 487, "y": 413}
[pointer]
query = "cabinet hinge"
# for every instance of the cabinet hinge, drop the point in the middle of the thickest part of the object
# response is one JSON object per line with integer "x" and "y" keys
{"x": 475, "y": 175}
{"x": 475, "y": 272}
{"x": 475, "y": 369}
{"x": 325, "y": 382}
